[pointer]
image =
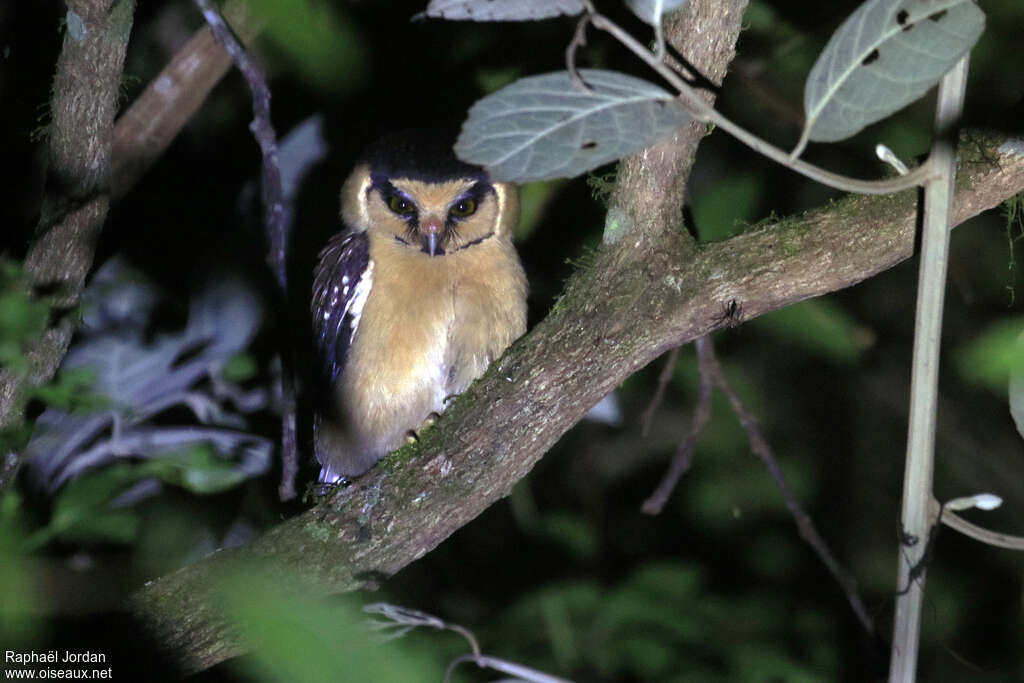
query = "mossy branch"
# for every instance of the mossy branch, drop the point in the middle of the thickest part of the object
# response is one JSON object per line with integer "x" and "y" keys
{"x": 642, "y": 296}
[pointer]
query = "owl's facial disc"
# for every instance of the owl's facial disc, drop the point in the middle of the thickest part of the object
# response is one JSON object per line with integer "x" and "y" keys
{"x": 433, "y": 216}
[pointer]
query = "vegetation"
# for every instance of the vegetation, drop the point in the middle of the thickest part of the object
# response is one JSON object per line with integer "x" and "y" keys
{"x": 159, "y": 452}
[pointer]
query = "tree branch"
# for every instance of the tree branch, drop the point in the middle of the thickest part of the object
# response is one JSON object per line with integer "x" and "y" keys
{"x": 632, "y": 305}
{"x": 156, "y": 117}
{"x": 85, "y": 90}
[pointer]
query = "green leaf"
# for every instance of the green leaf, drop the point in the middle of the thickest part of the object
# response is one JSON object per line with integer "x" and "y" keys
{"x": 114, "y": 525}
{"x": 994, "y": 355}
{"x": 298, "y": 638}
{"x": 544, "y": 127}
{"x": 996, "y": 360}
{"x": 323, "y": 46}
{"x": 82, "y": 513}
{"x": 717, "y": 211}
{"x": 198, "y": 469}
{"x": 239, "y": 368}
{"x": 819, "y": 327}
{"x": 70, "y": 391}
{"x": 534, "y": 198}
{"x": 884, "y": 56}
{"x": 569, "y": 531}
{"x": 21, "y": 317}
{"x": 489, "y": 80}
{"x": 19, "y": 598}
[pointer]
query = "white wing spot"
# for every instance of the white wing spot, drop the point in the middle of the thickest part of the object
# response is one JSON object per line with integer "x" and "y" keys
{"x": 359, "y": 297}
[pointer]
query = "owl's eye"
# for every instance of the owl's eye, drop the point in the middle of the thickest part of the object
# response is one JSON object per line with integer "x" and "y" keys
{"x": 401, "y": 205}
{"x": 463, "y": 208}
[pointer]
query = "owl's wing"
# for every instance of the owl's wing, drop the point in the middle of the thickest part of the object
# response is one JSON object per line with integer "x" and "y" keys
{"x": 341, "y": 283}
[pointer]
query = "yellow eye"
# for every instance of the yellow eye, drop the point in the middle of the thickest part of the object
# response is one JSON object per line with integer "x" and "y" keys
{"x": 401, "y": 205}
{"x": 463, "y": 208}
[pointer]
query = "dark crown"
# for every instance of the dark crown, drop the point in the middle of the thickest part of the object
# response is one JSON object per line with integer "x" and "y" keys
{"x": 419, "y": 154}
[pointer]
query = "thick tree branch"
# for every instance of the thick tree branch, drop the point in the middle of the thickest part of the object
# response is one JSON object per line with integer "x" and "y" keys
{"x": 156, "y": 117}
{"x": 632, "y": 305}
{"x": 652, "y": 184}
{"x": 85, "y": 90}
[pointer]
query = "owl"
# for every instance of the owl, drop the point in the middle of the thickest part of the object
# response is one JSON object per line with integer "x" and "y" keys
{"x": 418, "y": 293}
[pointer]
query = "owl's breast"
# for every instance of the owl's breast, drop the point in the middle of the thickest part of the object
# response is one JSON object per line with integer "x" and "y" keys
{"x": 437, "y": 323}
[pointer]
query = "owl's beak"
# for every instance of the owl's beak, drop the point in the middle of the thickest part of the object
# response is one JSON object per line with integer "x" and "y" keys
{"x": 431, "y": 229}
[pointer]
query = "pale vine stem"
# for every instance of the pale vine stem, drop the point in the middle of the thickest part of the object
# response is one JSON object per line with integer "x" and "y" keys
{"x": 993, "y": 538}
{"x": 917, "y": 517}
{"x": 403, "y": 619}
{"x": 708, "y": 114}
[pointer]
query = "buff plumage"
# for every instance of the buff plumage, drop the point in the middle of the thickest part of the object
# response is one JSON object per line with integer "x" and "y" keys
{"x": 413, "y": 299}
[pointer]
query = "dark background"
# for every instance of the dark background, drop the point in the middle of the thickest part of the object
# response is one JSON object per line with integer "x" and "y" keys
{"x": 567, "y": 575}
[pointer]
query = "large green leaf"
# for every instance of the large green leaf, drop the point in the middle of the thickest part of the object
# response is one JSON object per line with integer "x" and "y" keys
{"x": 883, "y": 57}
{"x": 546, "y": 127}
{"x": 296, "y": 637}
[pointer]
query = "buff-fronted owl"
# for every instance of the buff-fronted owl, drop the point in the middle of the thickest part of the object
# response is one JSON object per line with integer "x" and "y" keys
{"x": 418, "y": 293}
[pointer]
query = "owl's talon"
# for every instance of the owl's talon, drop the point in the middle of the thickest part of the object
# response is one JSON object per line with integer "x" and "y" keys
{"x": 430, "y": 420}
{"x": 411, "y": 437}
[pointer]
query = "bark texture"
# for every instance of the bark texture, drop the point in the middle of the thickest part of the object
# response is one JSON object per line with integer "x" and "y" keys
{"x": 650, "y": 290}
{"x": 617, "y": 316}
{"x": 85, "y": 91}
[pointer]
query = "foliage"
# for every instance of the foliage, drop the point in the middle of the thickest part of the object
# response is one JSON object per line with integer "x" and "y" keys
{"x": 317, "y": 41}
{"x": 657, "y": 624}
{"x": 886, "y": 55}
{"x": 141, "y": 379}
{"x": 541, "y": 127}
{"x": 719, "y": 587}
{"x": 297, "y": 638}
{"x": 21, "y": 318}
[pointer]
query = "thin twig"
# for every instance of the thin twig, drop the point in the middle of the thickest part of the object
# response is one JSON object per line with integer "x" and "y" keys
{"x": 277, "y": 219}
{"x": 708, "y": 114}
{"x": 579, "y": 39}
{"x": 659, "y": 394}
{"x": 760, "y": 448}
{"x": 684, "y": 453}
{"x": 521, "y": 673}
{"x": 403, "y": 619}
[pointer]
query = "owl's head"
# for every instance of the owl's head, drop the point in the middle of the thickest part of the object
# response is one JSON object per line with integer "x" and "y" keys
{"x": 410, "y": 186}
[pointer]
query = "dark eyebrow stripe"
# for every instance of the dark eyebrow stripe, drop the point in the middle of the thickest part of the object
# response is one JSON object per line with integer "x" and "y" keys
{"x": 386, "y": 188}
{"x": 477, "y": 191}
